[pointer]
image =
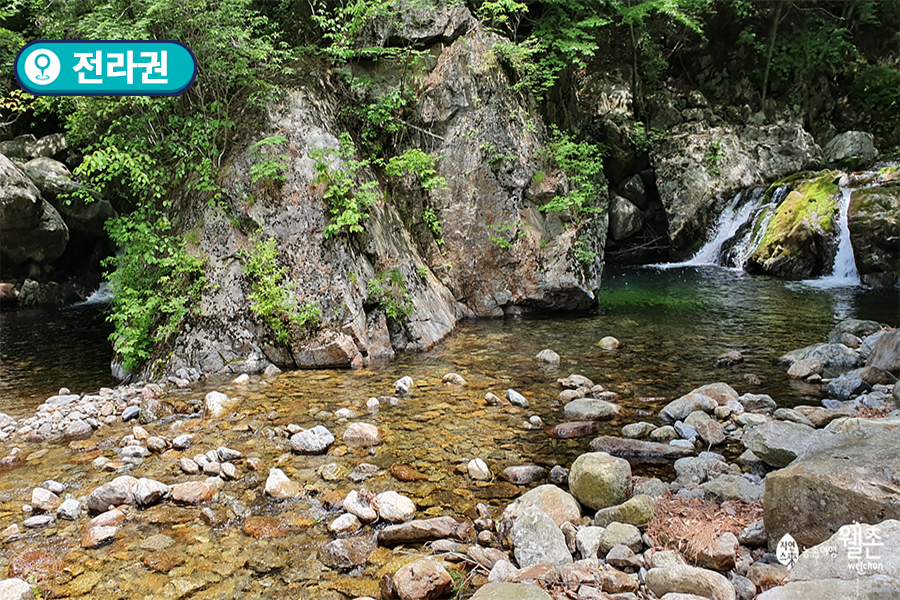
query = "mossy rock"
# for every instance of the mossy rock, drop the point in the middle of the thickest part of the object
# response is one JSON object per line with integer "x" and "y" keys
{"x": 800, "y": 240}
{"x": 874, "y": 222}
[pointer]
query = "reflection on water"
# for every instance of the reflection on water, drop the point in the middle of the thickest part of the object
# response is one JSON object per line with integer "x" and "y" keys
{"x": 672, "y": 324}
{"x": 43, "y": 349}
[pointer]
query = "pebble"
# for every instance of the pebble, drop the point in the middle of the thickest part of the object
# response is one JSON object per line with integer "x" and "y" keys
{"x": 346, "y": 523}
{"x": 188, "y": 466}
{"x": 38, "y": 521}
{"x": 403, "y": 386}
{"x": 241, "y": 379}
{"x": 183, "y": 442}
{"x": 54, "y": 486}
{"x": 279, "y": 486}
{"x": 130, "y": 413}
{"x": 453, "y": 379}
{"x": 478, "y": 470}
{"x": 548, "y": 356}
{"x": 69, "y": 509}
{"x": 516, "y": 398}
{"x": 44, "y": 500}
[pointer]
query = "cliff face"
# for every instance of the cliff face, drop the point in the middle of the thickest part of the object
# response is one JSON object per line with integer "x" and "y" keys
{"x": 499, "y": 253}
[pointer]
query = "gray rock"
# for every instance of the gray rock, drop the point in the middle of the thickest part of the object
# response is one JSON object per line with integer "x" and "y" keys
{"x": 38, "y": 521}
{"x": 586, "y": 409}
{"x": 711, "y": 432}
{"x": 118, "y": 491}
{"x": 130, "y": 413}
{"x": 599, "y": 480}
{"x": 637, "y": 430}
{"x": 682, "y": 579}
{"x": 685, "y": 431}
{"x": 394, "y": 507}
{"x": 416, "y": 532}
{"x": 516, "y": 398}
{"x": 886, "y": 353}
{"x": 587, "y": 541}
{"x": 732, "y": 487}
{"x": 677, "y": 410}
{"x": 346, "y": 553}
{"x": 312, "y": 441}
{"x": 548, "y": 356}
{"x": 77, "y": 430}
{"x": 834, "y": 358}
{"x": 851, "y": 480}
{"x": 720, "y": 555}
{"x": 845, "y": 388}
{"x": 851, "y": 145}
{"x": 620, "y": 533}
{"x": 639, "y": 451}
{"x": 536, "y": 539}
{"x": 654, "y": 488}
{"x": 188, "y": 466}
{"x": 789, "y": 414}
{"x": 183, "y": 442}
{"x": 856, "y": 327}
{"x": 148, "y": 492}
{"x": 510, "y": 591}
{"x": 523, "y": 474}
{"x": 44, "y": 500}
{"x": 757, "y": 402}
{"x": 754, "y": 534}
{"x": 777, "y": 443}
{"x": 624, "y": 218}
{"x": 218, "y": 404}
{"x": 664, "y": 434}
{"x": 637, "y": 510}
{"x": 556, "y": 503}
{"x": 70, "y": 509}
{"x": 743, "y": 588}
{"x": 805, "y": 367}
{"x": 346, "y": 523}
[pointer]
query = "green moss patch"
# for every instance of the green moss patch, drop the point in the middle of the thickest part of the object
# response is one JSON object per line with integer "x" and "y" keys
{"x": 813, "y": 203}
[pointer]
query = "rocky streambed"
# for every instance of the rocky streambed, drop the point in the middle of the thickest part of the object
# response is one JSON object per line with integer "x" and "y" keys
{"x": 313, "y": 485}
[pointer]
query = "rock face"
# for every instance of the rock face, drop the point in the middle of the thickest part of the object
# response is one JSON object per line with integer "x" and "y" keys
{"x": 599, "y": 480}
{"x": 840, "y": 567}
{"x": 850, "y": 481}
{"x": 886, "y": 353}
{"x": 874, "y": 223}
{"x": 624, "y": 218}
{"x": 690, "y": 180}
{"x": 32, "y": 229}
{"x": 465, "y": 103}
{"x": 800, "y": 240}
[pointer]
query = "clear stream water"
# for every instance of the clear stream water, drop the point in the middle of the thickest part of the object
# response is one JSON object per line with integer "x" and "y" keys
{"x": 672, "y": 324}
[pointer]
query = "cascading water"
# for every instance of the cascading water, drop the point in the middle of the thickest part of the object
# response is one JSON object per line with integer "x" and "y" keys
{"x": 843, "y": 272}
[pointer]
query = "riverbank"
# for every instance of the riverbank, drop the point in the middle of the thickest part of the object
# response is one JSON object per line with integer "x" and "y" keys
{"x": 250, "y": 493}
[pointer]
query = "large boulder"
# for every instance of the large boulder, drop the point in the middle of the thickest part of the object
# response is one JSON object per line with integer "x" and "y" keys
{"x": 858, "y": 561}
{"x": 624, "y": 218}
{"x": 874, "y": 222}
{"x": 800, "y": 239}
{"x": 53, "y": 179}
{"x": 599, "y": 480}
{"x": 834, "y": 359}
{"x": 32, "y": 229}
{"x": 853, "y": 480}
{"x": 777, "y": 443}
{"x": 682, "y": 579}
{"x": 854, "y": 147}
{"x": 417, "y": 22}
{"x": 697, "y": 165}
{"x": 886, "y": 353}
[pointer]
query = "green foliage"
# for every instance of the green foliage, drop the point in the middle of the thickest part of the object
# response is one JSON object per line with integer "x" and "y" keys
{"x": 154, "y": 280}
{"x": 503, "y": 241}
{"x": 583, "y": 165}
{"x": 418, "y": 164}
{"x": 348, "y": 202}
{"x": 538, "y": 177}
{"x": 876, "y": 94}
{"x": 270, "y": 298}
{"x": 433, "y": 223}
{"x": 643, "y": 139}
{"x": 495, "y": 157}
{"x": 268, "y": 168}
{"x": 583, "y": 253}
{"x": 388, "y": 289}
{"x": 341, "y": 23}
{"x": 423, "y": 273}
{"x": 713, "y": 156}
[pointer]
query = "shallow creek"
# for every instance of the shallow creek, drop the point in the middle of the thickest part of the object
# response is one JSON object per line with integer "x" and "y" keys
{"x": 672, "y": 325}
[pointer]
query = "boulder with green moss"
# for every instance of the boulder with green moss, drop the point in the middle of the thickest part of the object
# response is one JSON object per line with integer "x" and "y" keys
{"x": 874, "y": 221}
{"x": 800, "y": 240}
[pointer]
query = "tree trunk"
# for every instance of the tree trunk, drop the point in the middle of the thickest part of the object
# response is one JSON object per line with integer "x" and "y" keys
{"x": 773, "y": 34}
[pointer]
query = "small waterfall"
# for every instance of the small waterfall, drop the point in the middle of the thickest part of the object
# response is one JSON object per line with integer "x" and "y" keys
{"x": 101, "y": 295}
{"x": 843, "y": 271}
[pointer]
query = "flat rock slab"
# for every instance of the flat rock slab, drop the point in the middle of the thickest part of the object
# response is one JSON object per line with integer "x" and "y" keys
{"x": 851, "y": 481}
{"x": 637, "y": 451}
{"x": 424, "y": 530}
{"x": 510, "y": 591}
